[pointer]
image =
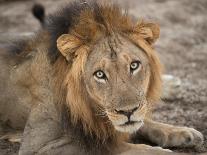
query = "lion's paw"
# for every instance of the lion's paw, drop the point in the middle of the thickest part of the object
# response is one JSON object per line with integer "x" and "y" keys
{"x": 182, "y": 137}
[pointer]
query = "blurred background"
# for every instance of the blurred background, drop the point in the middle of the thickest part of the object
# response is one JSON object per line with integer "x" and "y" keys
{"x": 182, "y": 48}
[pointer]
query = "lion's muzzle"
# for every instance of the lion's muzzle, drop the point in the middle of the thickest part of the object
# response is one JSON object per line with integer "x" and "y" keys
{"x": 128, "y": 119}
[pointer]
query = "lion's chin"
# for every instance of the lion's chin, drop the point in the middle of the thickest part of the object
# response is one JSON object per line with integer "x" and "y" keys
{"x": 129, "y": 127}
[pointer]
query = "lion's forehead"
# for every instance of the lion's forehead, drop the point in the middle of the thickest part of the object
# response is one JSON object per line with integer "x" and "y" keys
{"x": 113, "y": 49}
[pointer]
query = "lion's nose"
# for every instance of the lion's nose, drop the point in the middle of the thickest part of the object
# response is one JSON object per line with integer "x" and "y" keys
{"x": 127, "y": 113}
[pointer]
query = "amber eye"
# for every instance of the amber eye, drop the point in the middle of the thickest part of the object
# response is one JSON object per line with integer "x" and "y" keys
{"x": 135, "y": 65}
{"x": 100, "y": 76}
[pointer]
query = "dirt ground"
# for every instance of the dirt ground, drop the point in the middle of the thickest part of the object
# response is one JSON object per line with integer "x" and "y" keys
{"x": 182, "y": 48}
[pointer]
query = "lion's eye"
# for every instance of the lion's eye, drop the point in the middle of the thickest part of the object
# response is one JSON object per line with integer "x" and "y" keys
{"x": 100, "y": 76}
{"x": 134, "y": 67}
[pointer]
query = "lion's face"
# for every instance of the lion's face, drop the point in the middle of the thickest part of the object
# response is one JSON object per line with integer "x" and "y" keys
{"x": 117, "y": 77}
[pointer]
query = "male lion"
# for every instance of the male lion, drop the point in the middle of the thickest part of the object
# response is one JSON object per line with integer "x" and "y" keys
{"x": 84, "y": 81}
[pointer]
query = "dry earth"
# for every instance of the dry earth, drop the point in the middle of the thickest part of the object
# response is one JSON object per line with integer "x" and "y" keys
{"x": 182, "y": 49}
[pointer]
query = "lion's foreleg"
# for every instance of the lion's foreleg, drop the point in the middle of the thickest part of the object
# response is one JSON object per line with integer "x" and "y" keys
{"x": 171, "y": 136}
{"x": 43, "y": 134}
{"x": 42, "y": 127}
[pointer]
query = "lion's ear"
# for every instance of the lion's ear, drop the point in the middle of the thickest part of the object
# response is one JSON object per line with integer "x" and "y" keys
{"x": 67, "y": 45}
{"x": 149, "y": 31}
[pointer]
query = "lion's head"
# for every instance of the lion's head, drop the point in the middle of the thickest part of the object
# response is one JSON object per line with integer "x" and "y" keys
{"x": 117, "y": 77}
{"x": 114, "y": 74}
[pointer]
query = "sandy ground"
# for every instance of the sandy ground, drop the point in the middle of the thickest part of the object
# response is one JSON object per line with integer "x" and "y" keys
{"x": 182, "y": 48}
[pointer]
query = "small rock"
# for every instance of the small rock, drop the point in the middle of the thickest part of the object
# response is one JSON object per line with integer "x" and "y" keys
{"x": 171, "y": 87}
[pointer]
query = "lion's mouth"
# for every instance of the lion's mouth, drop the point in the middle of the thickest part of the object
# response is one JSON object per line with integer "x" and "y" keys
{"x": 129, "y": 126}
{"x": 130, "y": 123}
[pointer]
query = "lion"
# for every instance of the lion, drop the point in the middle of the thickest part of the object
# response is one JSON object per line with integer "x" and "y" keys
{"x": 86, "y": 84}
